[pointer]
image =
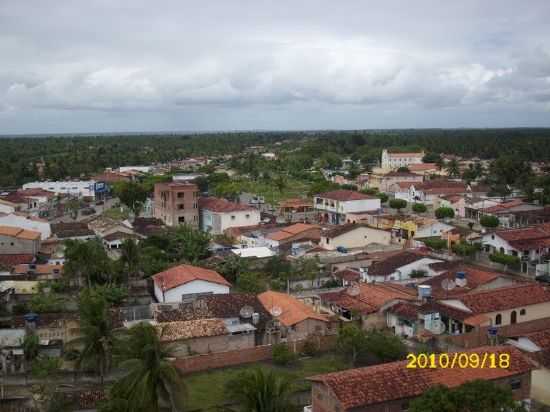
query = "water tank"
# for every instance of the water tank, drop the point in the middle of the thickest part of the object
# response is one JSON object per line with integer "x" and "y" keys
{"x": 424, "y": 291}
{"x": 255, "y": 318}
{"x": 460, "y": 279}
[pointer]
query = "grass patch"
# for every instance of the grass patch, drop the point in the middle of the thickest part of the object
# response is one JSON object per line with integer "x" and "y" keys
{"x": 116, "y": 213}
{"x": 294, "y": 188}
{"x": 207, "y": 389}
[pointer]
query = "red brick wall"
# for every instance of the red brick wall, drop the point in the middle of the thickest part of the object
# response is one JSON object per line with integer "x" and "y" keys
{"x": 237, "y": 357}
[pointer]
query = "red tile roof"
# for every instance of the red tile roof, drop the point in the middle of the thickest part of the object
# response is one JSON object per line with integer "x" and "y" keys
{"x": 293, "y": 230}
{"x": 420, "y": 167}
{"x": 361, "y": 387}
{"x": 505, "y": 298}
{"x": 441, "y": 186}
{"x": 293, "y": 310}
{"x": 218, "y": 205}
{"x": 528, "y": 237}
{"x": 348, "y": 274}
{"x": 504, "y": 205}
{"x": 182, "y": 274}
{"x": 387, "y": 266}
{"x": 13, "y": 260}
{"x": 345, "y": 195}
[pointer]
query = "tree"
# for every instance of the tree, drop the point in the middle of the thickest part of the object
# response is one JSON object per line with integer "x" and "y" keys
{"x": 87, "y": 259}
{"x": 431, "y": 157}
{"x": 419, "y": 208}
{"x": 31, "y": 345}
{"x": 384, "y": 347}
{"x": 151, "y": 379}
{"x": 403, "y": 169}
{"x": 250, "y": 283}
{"x": 465, "y": 249}
{"x": 489, "y": 221}
{"x": 383, "y": 197}
{"x": 97, "y": 339}
{"x": 131, "y": 194}
{"x": 190, "y": 244}
{"x": 435, "y": 243}
{"x": 130, "y": 257}
{"x": 444, "y": 212}
{"x": 398, "y": 204}
{"x": 280, "y": 182}
{"x": 478, "y": 395}
{"x": 351, "y": 342}
{"x": 260, "y": 390}
{"x": 282, "y": 355}
{"x": 306, "y": 268}
{"x": 453, "y": 168}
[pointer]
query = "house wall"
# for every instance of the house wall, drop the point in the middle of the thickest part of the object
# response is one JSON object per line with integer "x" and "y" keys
{"x": 359, "y": 237}
{"x": 197, "y": 286}
{"x": 540, "y": 389}
{"x": 14, "y": 245}
{"x": 532, "y": 312}
{"x": 216, "y": 223}
{"x": 433, "y": 229}
{"x": 404, "y": 272}
{"x": 175, "y": 210}
{"x": 7, "y": 207}
{"x": 25, "y": 223}
{"x": 305, "y": 328}
{"x": 212, "y": 344}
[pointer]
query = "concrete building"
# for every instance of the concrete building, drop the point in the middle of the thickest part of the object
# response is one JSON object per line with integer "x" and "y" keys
{"x": 396, "y": 160}
{"x": 218, "y": 215}
{"x": 14, "y": 241}
{"x": 350, "y": 236}
{"x": 27, "y": 222}
{"x": 76, "y": 188}
{"x": 333, "y": 206}
{"x": 177, "y": 204}
{"x": 179, "y": 282}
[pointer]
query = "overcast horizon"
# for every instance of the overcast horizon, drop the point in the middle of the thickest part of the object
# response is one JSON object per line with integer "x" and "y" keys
{"x": 97, "y": 67}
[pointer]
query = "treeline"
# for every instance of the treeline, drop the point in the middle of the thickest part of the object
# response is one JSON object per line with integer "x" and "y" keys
{"x": 84, "y": 155}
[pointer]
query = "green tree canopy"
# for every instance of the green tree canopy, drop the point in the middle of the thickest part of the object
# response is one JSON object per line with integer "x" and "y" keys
{"x": 398, "y": 204}
{"x": 419, "y": 208}
{"x": 489, "y": 221}
{"x": 444, "y": 212}
{"x": 131, "y": 194}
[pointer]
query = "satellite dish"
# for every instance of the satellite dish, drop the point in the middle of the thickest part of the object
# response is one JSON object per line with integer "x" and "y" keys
{"x": 438, "y": 327}
{"x": 276, "y": 311}
{"x": 448, "y": 284}
{"x": 246, "y": 312}
{"x": 354, "y": 290}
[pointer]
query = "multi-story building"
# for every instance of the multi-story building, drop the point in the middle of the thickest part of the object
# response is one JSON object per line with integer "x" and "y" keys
{"x": 177, "y": 203}
{"x": 217, "y": 215}
{"x": 397, "y": 160}
{"x": 334, "y": 206}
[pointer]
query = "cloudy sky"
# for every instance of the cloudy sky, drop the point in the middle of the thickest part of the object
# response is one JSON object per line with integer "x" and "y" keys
{"x": 139, "y": 65}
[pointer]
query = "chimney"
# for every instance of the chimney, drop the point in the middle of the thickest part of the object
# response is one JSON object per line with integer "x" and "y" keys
{"x": 460, "y": 279}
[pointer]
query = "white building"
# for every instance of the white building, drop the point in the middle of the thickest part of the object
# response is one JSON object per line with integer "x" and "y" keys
{"x": 174, "y": 284}
{"x": 77, "y": 188}
{"x": 29, "y": 223}
{"x": 434, "y": 228}
{"x": 141, "y": 169}
{"x": 397, "y": 160}
{"x": 352, "y": 236}
{"x": 334, "y": 206}
{"x": 217, "y": 215}
{"x": 398, "y": 267}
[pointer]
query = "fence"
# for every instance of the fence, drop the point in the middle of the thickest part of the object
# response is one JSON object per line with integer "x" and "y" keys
{"x": 199, "y": 363}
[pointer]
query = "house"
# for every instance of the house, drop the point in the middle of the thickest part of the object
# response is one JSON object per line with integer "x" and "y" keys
{"x": 365, "y": 302}
{"x": 333, "y": 206}
{"x": 456, "y": 202}
{"x": 218, "y": 215}
{"x": 390, "y": 387}
{"x": 36, "y": 271}
{"x": 183, "y": 281}
{"x": 531, "y": 244}
{"x": 26, "y": 222}
{"x": 176, "y": 203}
{"x": 14, "y": 241}
{"x": 259, "y": 252}
{"x": 517, "y": 213}
{"x": 498, "y": 307}
{"x": 63, "y": 327}
{"x": 72, "y": 230}
{"x": 389, "y": 179}
{"x": 297, "y": 210}
{"x": 201, "y": 336}
{"x": 293, "y": 319}
{"x": 398, "y": 267}
{"x": 430, "y": 190}
{"x": 432, "y": 228}
{"x": 115, "y": 239}
{"x": 350, "y": 236}
{"x": 239, "y": 308}
{"x": 13, "y": 202}
{"x": 393, "y": 160}
{"x": 425, "y": 169}
{"x": 285, "y": 236}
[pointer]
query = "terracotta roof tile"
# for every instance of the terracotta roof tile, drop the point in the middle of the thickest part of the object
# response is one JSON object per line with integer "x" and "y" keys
{"x": 17, "y": 232}
{"x": 182, "y": 274}
{"x": 15, "y": 259}
{"x": 197, "y": 328}
{"x": 218, "y": 205}
{"x": 361, "y": 387}
{"x": 293, "y": 310}
{"x": 291, "y": 231}
{"x": 387, "y": 266}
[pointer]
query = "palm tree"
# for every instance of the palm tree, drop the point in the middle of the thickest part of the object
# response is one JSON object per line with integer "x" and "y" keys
{"x": 152, "y": 383}
{"x": 97, "y": 337}
{"x": 453, "y": 168}
{"x": 259, "y": 390}
{"x": 130, "y": 257}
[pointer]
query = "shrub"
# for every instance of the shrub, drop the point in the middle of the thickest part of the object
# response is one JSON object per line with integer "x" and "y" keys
{"x": 465, "y": 249}
{"x": 435, "y": 243}
{"x": 310, "y": 347}
{"x": 489, "y": 221}
{"x": 383, "y": 197}
{"x": 444, "y": 212}
{"x": 419, "y": 208}
{"x": 504, "y": 259}
{"x": 398, "y": 204}
{"x": 282, "y": 355}
{"x": 370, "y": 191}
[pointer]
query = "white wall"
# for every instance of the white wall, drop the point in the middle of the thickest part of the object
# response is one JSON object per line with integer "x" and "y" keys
{"x": 404, "y": 272}
{"x": 217, "y": 223}
{"x": 432, "y": 229}
{"x": 24, "y": 223}
{"x": 359, "y": 237}
{"x": 80, "y": 188}
{"x": 6, "y": 208}
{"x": 196, "y": 286}
{"x": 359, "y": 205}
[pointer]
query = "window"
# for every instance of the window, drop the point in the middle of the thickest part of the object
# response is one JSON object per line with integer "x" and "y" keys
{"x": 181, "y": 219}
{"x": 247, "y": 216}
{"x": 181, "y": 207}
{"x": 515, "y": 384}
{"x": 513, "y": 317}
{"x": 181, "y": 195}
{"x": 232, "y": 217}
{"x": 522, "y": 312}
{"x": 498, "y": 319}
{"x": 493, "y": 237}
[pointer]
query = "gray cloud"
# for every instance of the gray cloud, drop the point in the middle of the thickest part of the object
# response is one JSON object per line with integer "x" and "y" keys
{"x": 252, "y": 64}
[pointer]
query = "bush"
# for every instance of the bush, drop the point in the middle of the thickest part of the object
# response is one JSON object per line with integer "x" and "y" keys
{"x": 398, "y": 204}
{"x": 370, "y": 191}
{"x": 489, "y": 221}
{"x": 465, "y": 249}
{"x": 310, "y": 347}
{"x": 504, "y": 259}
{"x": 282, "y": 355}
{"x": 435, "y": 243}
{"x": 383, "y": 197}
{"x": 444, "y": 212}
{"x": 419, "y": 208}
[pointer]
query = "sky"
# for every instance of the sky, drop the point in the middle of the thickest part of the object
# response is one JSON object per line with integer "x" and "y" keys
{"x": 110, "y": 66}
